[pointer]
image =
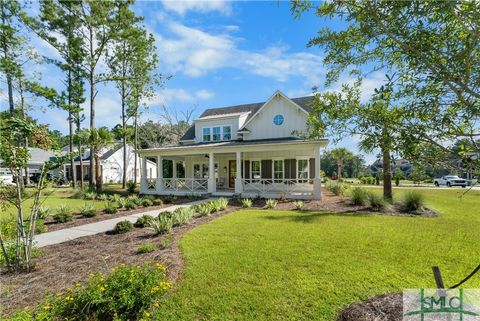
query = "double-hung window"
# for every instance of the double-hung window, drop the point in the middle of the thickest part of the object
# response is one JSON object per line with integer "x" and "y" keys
{"x": 302, "y": 170}
{"x": 216, "y": 134}
{"x": 278, "y": 170}
{"x": 206, "y": 134}
{"x": 255, "y": 172}
{"x": 227, "y": 133}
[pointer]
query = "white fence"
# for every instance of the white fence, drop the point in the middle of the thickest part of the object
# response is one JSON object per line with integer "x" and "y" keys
{"x": 185, "y": 184}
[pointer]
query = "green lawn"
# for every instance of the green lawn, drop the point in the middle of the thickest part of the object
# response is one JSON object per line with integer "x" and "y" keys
{"x": 275, "y": 265}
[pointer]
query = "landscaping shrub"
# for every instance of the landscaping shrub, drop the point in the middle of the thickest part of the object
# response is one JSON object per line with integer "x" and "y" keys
{"x": 221, "y": 203}
{"x": 143, "y": 221}
{"x": 88, "y": 210}
{"x": 246, "y": 203}
{"x": 205, "y": 209}
{"x": 44, "y": 212}
{"x": 110, "y": 208}
{"x": 337, "y": 188}
{"x": 115, "y": 198}
{"x": 131, "y": 187}
{"x": 40, "y": 226}
{"x": 63, "y": 214}
{"x": 168, "y": 199}
{"x": 102, "y": 197}
{"x": 146, "y": 248}
{"x": 134, "y": 199}
{"x": 157, "y": 202}
{"x": 127, "y": 293}
{"x": 359, "y": 196}
{"x": 271, "y": 203}
{"x": 130, "y": 205}
{"x": 298, "y": 205}
{"x": 122, "y": 202}
{"x": 412, "y": 202}
{"x": 182, "y": 215}
{"x": 11, "y": 249}
{"x": 376, "y": 201}
{"x": 123, "y": 227}
{"x": 90, "y": 196}
{"x": 166, "y": 241}
{"x": 163, "y": 223}
{"x": 146, "y": 202}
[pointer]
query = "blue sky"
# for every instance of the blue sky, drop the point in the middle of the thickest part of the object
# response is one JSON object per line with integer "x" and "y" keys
{"x": 219, "y": 53}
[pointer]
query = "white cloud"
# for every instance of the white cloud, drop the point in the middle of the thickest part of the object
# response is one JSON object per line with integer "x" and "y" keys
{"x": 195, "y": 53}
{"x": 182, "y": 6}
{"x": 175, "y": 95}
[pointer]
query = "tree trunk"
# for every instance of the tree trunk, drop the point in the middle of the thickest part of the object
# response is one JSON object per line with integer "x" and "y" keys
{"x": 98, "y": 172}
{"x": 387, "y": 174}
{"x": 8, "y": 75}
{"x": 92, "y": 110}
{"x": 124, "y": 138}
{"x": 135, "y": 146}
{"x": 22, "y": 111}
{"x": 80, "y": 152}
{"x": 73, "y": 175}
{"x": 339, "y": 168}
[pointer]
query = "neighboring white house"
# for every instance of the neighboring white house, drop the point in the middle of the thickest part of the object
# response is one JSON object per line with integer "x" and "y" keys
{"x": 38, "y": 157}
{"x": 249, "y": 150}
{"x": 111, "y": 166}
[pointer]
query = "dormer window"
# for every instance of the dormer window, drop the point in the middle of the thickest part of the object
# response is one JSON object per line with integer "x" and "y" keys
{"x": 206, "y": 134}
{"x": 216, "y": 134}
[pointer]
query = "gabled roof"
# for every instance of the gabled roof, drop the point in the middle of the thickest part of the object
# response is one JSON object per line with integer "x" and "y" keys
{"x": 39, "y": 156}
{"x": 86, "y": 156}
{"x": 304, "y": 102}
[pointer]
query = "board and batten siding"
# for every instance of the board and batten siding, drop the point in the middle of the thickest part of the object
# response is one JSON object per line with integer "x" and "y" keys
{"x": 262, "y": 126}
{"x": 223, "y": 121}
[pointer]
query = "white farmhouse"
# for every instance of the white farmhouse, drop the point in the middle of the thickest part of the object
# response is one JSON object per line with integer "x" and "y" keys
{"x": 111, "y": 166}
{"x": 248, "y": 150}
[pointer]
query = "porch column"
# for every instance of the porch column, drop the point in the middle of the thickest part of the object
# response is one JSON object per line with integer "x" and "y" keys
{"x": 238, "y": 179}
{"x": 159, "y": 185}
{"x": 317, "y": 180}
{"x": 212, "y": 185}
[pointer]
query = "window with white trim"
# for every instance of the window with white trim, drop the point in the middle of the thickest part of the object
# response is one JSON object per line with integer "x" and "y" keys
{"x": 217, "y": 133}
{"x": 278, "y": 170}
{"x": 302, "y": 169}
{"x": 206, "y": 134}
{"x": 255, "y": 169}
{"x": 227, "y": 133}
{"x": 216, "y": 136}
{"x": 200, "y": 170}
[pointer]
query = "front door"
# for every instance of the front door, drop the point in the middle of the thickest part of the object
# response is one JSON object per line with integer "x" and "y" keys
{"x": 232, "y": 173}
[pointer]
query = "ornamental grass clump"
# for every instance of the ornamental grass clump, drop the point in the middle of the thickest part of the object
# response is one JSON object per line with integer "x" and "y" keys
{"x": 102, "y": 197}
{"x": 221, "y": 204}
{"x": 337, "y": 188}
{"x": 63, "y": 214}
{"x": 90, "y": 196}
{"x": 127, "y": 293}
{"x": 298, "y": 205}
{"x": 412, "y": 202}
{"x": 247, "y": 203}
{"x": 130, "y": 205}
{"x": 271, "y": 203}
{"x": 44, "y": 212}
{"x": 88, "y": 210}
{"x": 163, "y": 223}
{"x": 146, "y": 202}
{"x": 146, "y": 248}
{"x": 135, "y": 199}
{"x": 358, "y": 196}
{"x": 110, "y": 208}
{"x": 205, "y": 209}
{"x": 376, "y": 201}
{"x": 183, "y": 215}
{"x": 143, "y": 221}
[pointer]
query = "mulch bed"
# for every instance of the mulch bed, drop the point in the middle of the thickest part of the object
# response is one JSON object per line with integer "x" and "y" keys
{"x": 80, "y": 220}
{"x": 386, "y": 307}
{"x": 63, "y": 265}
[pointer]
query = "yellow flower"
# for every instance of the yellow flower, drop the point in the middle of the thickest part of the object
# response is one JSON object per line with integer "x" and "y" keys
{"x": 47, "y": 307}
{"x": 102, "y": 289}
{"x": 147, "y": 314}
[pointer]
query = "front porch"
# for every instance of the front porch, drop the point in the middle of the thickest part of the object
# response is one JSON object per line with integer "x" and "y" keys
{"x": 274, "y": 170}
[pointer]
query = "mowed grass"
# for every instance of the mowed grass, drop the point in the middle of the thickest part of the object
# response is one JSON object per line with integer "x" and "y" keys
{"x": 285, "y": 265}
{"x": 53, "y": 198}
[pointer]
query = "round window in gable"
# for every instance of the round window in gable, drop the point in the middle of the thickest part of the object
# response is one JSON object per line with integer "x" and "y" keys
{"x": 278, "y": 120}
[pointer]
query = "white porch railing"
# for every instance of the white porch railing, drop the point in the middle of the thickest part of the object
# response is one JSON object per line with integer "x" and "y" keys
{"x": 287, "y": 186}
{"x": 151, "y": 184}
{"x": 185, "y": 184}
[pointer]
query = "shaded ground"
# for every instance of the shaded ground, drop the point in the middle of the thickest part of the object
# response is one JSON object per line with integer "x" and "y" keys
{"x": 387, "y": 307}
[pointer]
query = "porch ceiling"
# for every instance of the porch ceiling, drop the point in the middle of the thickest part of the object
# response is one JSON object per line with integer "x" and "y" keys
{"x": 234, "y": 146}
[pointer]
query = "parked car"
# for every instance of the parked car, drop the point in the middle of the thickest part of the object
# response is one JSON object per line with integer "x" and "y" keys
{"x": 450, "y": 180}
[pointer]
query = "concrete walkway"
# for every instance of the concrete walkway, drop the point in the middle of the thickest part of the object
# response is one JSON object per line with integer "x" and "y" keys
{"x": 60, "y": 236}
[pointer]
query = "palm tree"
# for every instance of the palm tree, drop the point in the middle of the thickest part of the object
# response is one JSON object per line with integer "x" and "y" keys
{"x": 99, "y": 139}
{"x": 341, "y": 154}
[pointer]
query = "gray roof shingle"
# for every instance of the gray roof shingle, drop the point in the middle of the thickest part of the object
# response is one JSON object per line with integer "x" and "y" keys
{"x": 304, "y": 102}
